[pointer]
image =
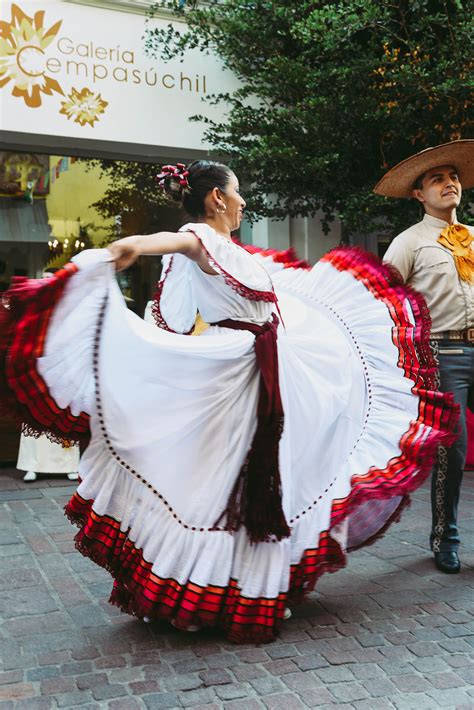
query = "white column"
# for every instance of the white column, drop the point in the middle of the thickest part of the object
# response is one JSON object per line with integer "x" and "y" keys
{"x": 299, "y": 236}
{"x": 271, "y": 234}
{"x": 309, "y": 240}
{"x": 304, "y": 234}
{"x": 318, "y": 242}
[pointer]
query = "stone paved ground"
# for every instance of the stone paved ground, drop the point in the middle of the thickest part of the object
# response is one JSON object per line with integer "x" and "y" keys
{"x": 387, "y": 632}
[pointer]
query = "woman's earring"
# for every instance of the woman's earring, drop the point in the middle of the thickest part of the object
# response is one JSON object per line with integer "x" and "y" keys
{"x": 222, "y": 208}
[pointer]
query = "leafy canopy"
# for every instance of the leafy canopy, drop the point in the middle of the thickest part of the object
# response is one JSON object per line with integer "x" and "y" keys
{"x": 331, "y": 95}
{"x": 132, "y": 193}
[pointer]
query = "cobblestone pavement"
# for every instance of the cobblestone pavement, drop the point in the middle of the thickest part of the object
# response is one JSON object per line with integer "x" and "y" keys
{"x": 389, "y": 631}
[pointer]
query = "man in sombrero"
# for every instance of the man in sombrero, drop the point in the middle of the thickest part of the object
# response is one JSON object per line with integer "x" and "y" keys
{"x": 436, "y": 258}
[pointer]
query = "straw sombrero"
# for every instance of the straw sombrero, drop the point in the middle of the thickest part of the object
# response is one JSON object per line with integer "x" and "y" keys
{"x": 400, "y": 179}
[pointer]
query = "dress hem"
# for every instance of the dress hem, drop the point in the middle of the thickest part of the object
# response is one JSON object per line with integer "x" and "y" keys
{"x": 140, "y": 592}
{"x": 25, "y": 314}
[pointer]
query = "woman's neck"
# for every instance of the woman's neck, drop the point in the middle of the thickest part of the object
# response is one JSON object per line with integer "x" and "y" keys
{"x": 218, "y": 224}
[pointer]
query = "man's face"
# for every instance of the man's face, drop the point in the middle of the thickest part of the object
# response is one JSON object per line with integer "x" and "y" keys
{"x": 441, "y": 189}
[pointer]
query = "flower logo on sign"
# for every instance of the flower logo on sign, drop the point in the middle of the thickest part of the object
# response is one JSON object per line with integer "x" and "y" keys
{"x": 23, "y": 62}
{"x": 23, "y": 42}
{"x": 83, "y": 106}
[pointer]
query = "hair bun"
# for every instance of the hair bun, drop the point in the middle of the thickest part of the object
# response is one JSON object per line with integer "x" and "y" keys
{"x": 190, "y": 185}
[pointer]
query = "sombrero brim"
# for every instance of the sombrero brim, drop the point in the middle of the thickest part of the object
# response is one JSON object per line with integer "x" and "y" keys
{"x": 400, "y": 179}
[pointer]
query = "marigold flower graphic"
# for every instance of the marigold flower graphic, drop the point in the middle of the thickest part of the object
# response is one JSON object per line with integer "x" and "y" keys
{"x": 23, "y": 42}
{"x": 83, "y": 106}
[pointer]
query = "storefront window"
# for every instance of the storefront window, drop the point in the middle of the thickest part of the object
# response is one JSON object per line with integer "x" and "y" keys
{"x": 52, "y": 207}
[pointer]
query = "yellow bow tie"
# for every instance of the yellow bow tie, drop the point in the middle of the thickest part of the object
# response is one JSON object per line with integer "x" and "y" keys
{"x": 457, "y": 239}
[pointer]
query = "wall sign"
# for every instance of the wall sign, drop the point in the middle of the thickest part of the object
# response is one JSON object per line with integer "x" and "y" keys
{"x": 72, "y": 70}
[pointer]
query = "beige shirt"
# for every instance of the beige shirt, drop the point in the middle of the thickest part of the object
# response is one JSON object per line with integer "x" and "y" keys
{"x": 429, "y": 268}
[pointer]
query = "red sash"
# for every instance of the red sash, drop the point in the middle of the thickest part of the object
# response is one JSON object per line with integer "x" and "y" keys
{"x": 255, "y": 500}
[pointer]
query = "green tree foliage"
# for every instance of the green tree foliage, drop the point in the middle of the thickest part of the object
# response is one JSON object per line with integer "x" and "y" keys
{"x": 133, "y": 195}
{"x": 332, "y": 94}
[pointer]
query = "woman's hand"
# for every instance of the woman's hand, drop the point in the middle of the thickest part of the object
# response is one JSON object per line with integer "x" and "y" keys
{"x": 125, "y": 252}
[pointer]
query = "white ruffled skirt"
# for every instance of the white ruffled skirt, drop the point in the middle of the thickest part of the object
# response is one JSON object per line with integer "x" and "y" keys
{"x": 172, "y": 418}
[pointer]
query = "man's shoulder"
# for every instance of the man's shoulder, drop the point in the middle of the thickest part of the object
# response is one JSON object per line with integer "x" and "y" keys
{"x": 411, "y": 231}
{"x": 409, "y": 235}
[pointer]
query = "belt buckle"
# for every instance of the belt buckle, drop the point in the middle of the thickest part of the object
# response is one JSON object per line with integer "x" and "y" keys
{"x": 470, "y": 335}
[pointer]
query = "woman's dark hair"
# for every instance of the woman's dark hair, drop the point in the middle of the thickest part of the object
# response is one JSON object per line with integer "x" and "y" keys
{"x": 202, "y": 177}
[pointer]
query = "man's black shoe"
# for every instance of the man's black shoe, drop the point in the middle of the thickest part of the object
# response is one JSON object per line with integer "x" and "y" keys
{"x": 447, "y": 562}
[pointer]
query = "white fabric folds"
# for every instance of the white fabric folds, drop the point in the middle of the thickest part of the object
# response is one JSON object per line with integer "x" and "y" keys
{"x": 172, "y": 419}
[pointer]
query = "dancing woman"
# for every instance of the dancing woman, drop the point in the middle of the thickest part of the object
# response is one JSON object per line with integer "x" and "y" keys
{"x": 225, "y": 473}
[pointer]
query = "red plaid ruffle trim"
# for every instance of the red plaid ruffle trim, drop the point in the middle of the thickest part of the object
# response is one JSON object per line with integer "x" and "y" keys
{"x": 436, "y": 409}
{"x": 139, "y": 591}
{"x": 25, "y": 314}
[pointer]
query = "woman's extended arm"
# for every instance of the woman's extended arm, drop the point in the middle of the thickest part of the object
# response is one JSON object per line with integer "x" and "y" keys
{"x": 125, "y": 251}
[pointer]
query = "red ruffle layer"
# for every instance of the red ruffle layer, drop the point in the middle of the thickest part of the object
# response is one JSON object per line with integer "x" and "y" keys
{"x": 140, "y": 592}
{"x": 24, "y": 318}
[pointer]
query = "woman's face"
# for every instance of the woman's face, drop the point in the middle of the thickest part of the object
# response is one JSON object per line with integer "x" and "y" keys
{"x": 234, "y": 202}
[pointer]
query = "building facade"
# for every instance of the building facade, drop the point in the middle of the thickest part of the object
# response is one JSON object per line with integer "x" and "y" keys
{"x": 77, "y": 85}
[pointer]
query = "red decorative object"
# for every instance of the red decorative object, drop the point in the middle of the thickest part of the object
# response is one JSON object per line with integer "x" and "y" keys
{"x": 470, "y": 441}
{"x": 178, "y": 171}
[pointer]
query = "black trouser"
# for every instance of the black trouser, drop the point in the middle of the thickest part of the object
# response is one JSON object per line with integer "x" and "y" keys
{"x": 456, "y": 369}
